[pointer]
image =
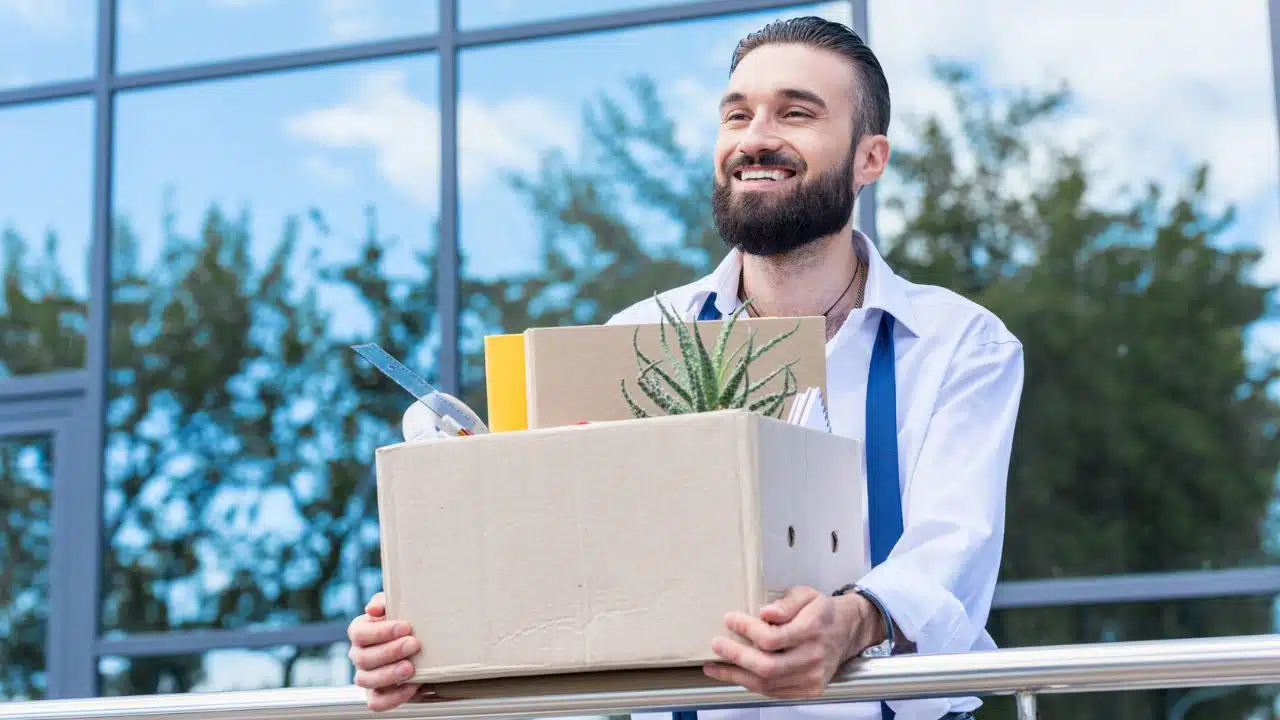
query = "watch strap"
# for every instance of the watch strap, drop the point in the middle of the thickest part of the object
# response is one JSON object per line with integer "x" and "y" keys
{"x": 891, "y": 640}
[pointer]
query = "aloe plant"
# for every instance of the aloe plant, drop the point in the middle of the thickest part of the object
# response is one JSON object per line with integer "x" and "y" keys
{"x": 703, "y": 380}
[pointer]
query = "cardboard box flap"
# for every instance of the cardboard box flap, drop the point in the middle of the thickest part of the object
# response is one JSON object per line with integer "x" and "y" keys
{"x": 574, "y": 373}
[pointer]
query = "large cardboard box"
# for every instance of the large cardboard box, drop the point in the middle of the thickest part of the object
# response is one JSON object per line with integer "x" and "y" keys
{"x": 573, "y": 372}
{"x": 610, "y": 546}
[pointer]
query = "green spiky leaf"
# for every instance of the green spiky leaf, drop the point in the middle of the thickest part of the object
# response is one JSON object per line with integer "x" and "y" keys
{"x": 653, "y": 365}
{"x": 636, "y": 410}
{"x": 739, "y": 376}
{"x": 703, "y": 379}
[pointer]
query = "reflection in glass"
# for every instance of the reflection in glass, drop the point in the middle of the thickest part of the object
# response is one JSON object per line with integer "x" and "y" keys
{"x": 487, "y": 13}
{"x": 1165, "y": 620}
{"x": 46, "y": 41}
{"x": 26, "y": 486}
{"x": 592, "y": 192}
{"x": 159, "y": 34}
{"x": 1147, "y": 432}
{"x": 262, "y": 226}
{"x": 226, "y": 670}
{"x": 46, "y": 191}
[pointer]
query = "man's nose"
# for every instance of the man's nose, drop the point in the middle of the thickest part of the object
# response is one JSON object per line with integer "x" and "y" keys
{"x": 760, "y": 137}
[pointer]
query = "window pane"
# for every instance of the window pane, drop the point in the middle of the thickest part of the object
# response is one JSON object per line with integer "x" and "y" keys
{"x": 26, "y": 486}
{"x": 43, "y": 41}
{"x": 226, "y": 670}
{"x": 153, "y": 33}
{"x": 487, "y": 13}
{"x": 556, "y": 227}
{"x": 1143, "y": 444}
{"x": 1166, "y": 620}
{"x": 264, "y": 225}
{"x": 46, "y": 199}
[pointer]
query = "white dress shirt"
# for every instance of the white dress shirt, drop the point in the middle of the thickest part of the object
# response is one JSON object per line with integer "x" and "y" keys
{"x": 959, "y": 382}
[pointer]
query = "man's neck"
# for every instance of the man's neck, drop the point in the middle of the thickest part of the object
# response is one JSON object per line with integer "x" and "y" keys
{"x": 806, "y": 282}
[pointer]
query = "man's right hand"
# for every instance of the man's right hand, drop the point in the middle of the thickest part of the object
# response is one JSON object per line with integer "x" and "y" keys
{"x": 380, "y": 652}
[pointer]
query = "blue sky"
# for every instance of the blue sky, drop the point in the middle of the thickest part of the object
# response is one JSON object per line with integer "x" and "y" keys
{"x": 1150, "y": 102}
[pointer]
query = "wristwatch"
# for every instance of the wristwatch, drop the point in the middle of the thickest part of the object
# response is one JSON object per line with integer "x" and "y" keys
{"x": 886, "y": 647}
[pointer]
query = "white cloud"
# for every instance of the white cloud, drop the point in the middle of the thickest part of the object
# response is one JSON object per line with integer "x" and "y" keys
{"x": 402, "y": 132}
{"x": 44, "y": 16}
{"x": 695, "y": 118}
{"x": 342, "y": 20}
{"x": 509, "y": 135}
{"x": 722, "y": 48}
{"x": 383, "y": 117}
{"x": 351, "y": 20}
{"x": 131, "y": 17}
{"x": 1158, "y": 89}
{"x": 15, "y": 78}
{"x": 327, "y": 171}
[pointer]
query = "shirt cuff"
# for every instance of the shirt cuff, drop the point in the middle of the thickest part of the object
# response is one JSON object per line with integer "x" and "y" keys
{"x": 928, "y": 615}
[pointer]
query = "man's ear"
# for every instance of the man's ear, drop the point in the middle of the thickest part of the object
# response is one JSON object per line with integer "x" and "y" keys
{"x": 870, "y": 159}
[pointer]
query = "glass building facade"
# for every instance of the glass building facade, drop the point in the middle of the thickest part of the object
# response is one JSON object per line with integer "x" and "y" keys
{"x": 204, "y": 203}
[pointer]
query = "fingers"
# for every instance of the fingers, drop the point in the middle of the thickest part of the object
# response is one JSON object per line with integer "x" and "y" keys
{"x": 768, "y": 637}
{"x": 366, "y": 632}
{"x": 384, "y": 699}
{"x": 377, "y": 607}
{"x": 385, "y": 677}
{"x": 376, "y": 658}
{"x": 783, "y": 624}
{"x": 784, "y": 609}
{"x": 769, "y": 666}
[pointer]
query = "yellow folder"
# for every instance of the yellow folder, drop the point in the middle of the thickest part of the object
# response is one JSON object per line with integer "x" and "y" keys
{"x": 505, "y": 382}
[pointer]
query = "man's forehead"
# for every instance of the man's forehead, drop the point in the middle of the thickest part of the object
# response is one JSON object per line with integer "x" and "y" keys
{"x": 790, "y": 71}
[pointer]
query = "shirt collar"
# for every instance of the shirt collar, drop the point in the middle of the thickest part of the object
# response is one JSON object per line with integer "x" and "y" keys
{"x": 885, "y": 290}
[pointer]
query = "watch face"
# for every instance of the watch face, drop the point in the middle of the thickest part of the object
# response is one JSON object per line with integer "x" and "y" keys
{"x": 883, "y": 649}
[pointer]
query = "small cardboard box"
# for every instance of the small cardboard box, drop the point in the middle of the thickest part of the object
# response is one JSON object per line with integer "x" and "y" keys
{"x": 617, "y": 545}
{"x": 573, "y": 372}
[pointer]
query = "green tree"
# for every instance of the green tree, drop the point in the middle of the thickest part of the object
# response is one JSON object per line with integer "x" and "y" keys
{"x": 1146, "y": 441}
{"x": 27, "y": 474}
{"x": 231, "y": 387}
{"x": 228, "y": 387}
{"x": 41, "y": 325}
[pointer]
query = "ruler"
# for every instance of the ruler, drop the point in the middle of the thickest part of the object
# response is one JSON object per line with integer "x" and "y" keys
{"x": 415, "y": 385}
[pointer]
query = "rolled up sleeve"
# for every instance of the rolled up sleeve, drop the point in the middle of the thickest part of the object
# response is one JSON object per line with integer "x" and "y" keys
{"x": 938, "y": 581}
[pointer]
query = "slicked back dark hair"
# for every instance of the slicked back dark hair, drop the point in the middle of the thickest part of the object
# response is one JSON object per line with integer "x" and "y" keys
{"x": 871, "y": 89}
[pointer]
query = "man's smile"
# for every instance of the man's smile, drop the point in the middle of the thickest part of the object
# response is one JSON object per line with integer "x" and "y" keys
{"x": 763, "y": 177}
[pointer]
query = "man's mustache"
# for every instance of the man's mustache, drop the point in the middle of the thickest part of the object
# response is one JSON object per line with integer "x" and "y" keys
{"x": 770, "y": 159}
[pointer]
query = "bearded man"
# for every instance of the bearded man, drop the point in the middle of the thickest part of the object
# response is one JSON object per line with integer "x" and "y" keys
{"x": 928, "y": 379}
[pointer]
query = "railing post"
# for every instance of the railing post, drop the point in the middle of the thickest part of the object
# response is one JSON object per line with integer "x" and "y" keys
{"x": 1026, "y": 705}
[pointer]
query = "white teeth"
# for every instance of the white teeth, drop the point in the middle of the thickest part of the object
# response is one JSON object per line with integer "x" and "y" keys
{"x": 763, "y": 175}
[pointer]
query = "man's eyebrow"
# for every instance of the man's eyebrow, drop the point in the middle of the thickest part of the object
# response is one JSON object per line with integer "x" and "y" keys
{"x": 790, "y": 93}
{"x": 804, "y": 96}
{"x": 731, "y": 98}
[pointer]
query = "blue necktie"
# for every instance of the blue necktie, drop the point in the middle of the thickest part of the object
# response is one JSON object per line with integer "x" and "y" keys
{"x": 884, "y": 494}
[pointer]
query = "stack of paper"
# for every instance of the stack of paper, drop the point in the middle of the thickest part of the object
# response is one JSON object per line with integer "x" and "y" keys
{"x": 809, "y": 410}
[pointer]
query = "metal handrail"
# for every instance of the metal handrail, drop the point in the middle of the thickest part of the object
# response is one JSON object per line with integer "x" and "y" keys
{"x": 1025, "y": 672}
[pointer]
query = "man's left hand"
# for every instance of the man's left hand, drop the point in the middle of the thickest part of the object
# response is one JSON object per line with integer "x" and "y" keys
{"x": 796, "y": 645}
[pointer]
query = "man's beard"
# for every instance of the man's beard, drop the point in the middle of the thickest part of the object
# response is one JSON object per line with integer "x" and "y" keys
{"x": 767, "y": 223}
